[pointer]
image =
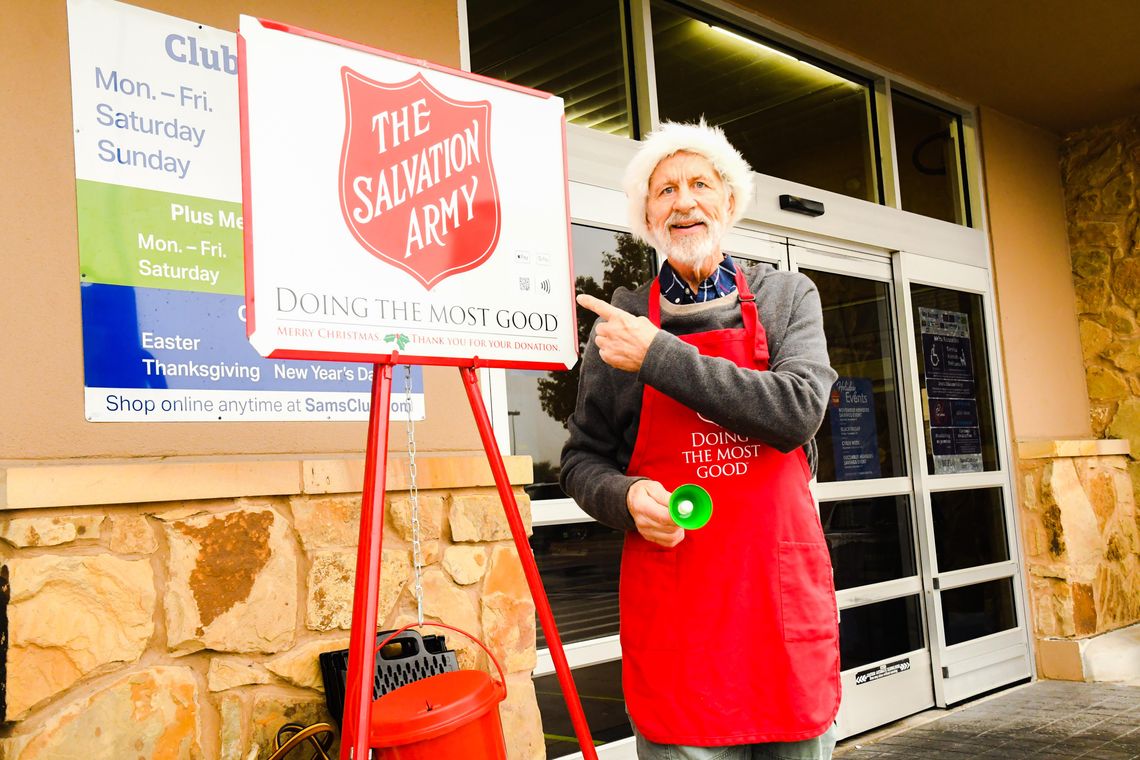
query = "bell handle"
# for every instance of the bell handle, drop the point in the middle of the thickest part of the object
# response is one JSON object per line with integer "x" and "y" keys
{"x": 394, "y": 634}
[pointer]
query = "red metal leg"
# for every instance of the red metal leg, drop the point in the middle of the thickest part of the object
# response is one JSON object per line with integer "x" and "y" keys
{"x": 530, "y": 569}
{"x": 362, "y": 641}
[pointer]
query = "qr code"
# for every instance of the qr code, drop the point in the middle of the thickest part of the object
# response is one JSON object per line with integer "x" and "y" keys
{"x": 524, "y": 283}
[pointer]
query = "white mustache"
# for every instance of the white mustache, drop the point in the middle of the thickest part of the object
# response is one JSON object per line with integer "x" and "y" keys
{"x": 682, "y": 219}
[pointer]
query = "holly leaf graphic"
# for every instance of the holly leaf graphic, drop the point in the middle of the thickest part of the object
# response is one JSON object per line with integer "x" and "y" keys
{"x": 399, "y": 339}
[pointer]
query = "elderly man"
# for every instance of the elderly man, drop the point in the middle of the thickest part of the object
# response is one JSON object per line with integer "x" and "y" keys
{"x": 716, "y": 375}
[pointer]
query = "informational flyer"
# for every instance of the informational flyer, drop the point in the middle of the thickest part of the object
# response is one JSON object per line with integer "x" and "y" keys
{"x": 158, "y": 195}
{"x": 951, "y": 400}
{"x": 854, "y": 439}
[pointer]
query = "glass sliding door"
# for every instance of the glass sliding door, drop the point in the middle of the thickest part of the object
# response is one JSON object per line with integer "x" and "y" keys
{"x": 976, "y": 622}
{"x": 865, "y": 494}
{"x": 912, "y": 483}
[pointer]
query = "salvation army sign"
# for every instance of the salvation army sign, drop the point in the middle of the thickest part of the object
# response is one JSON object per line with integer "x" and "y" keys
{"x": 398, "y": 207}
{"x": 417, "y": 187}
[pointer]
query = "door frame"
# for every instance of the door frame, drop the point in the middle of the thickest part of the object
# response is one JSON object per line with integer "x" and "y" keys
{"x": 907, "y": 686}
{"x": 978, "y": 665}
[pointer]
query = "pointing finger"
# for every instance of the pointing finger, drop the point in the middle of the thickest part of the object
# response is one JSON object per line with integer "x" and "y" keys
{"x": 599, "y": 307}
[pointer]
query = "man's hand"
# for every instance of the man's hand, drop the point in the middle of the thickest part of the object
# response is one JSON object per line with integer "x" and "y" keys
{"x": 648, "y": 503}
{"x": 622, "y": 338}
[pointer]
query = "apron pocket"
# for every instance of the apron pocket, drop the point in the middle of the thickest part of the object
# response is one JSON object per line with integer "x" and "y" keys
{"x": 649, "y": 598}
{"x": 807, "y": 603}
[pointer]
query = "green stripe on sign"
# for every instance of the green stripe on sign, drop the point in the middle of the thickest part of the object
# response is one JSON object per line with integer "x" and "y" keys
{"x": 151, "y": 239}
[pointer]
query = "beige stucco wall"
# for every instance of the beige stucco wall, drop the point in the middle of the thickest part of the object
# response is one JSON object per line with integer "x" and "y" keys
{"x": 1034, "y": 283}
{"x": 41, "y": 384}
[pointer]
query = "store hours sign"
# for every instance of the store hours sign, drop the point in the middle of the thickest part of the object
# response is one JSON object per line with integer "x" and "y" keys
{"x": 160, "y": 219}
{"x": 400, "y": 208}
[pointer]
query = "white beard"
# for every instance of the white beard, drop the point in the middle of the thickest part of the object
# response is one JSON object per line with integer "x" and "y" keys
{"x": 689, "y": 250}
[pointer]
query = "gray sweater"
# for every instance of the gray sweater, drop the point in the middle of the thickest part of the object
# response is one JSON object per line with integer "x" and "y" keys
{"x": 782, "y": 408}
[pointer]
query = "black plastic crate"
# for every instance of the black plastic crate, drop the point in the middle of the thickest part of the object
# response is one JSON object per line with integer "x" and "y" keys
{"x": 408, "y": 657}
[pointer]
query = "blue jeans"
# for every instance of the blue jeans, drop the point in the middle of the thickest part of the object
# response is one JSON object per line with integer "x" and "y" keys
{"x": 818, "y": 748}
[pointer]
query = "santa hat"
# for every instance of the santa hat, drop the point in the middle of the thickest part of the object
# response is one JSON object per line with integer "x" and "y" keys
{"x": 672, "y": 137}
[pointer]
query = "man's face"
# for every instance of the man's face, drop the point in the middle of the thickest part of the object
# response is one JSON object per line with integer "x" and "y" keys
{"x": 687, "y": 208}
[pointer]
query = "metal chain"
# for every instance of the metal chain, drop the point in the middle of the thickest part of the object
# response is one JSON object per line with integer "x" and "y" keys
{"x": 414, "y": 494}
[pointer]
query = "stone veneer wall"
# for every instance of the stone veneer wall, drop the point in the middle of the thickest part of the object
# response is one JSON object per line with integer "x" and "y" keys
{"x": 191, "y": 629}
{"x": 1100, "y": 170}
{"x": 1082, "y": 538}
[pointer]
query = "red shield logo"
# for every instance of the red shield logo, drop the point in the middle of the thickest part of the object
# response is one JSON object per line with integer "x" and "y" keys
{"x": 417, "y": 187}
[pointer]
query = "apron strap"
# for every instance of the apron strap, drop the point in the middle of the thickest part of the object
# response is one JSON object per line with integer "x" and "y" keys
{"x": 655, "y": 301}
{"x": 750, "y": 315}
{"x": 747, "y": 306}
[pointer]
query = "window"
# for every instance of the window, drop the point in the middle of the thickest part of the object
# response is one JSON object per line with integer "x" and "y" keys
{"x": 862, "y": 436}
{"x": 969, "y": 528}
{"x": 574, "y": 50}
{"x": 789, "y": 117}
{"x": 877, "y": 631}
{"x": 928, "y": 141}
{"x": 579, "y": 564}
{"x": 971, "y": 612}
{"x": 539, "y": 403}
{"x": 602, "y": 702}
{"x": 869, "y": 540}
{"x": 791, "y": 114}
{"x": 953, "y": 371}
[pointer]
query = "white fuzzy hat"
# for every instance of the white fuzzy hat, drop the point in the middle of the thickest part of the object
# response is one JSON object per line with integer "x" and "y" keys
{"x": 672, "y": 137}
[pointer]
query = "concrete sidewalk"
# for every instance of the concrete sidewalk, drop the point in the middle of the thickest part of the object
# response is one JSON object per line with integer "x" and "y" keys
{"x": 1046, "y": 720}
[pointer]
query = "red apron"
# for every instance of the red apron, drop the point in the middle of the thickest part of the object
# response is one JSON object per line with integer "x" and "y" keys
{"x": 732, "y": 636}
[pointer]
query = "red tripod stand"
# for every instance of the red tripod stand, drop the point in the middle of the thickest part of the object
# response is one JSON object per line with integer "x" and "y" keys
{"x": 358, "y": 694}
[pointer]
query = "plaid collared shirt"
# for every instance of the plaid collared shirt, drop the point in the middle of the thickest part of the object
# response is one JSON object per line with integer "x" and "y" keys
{"x": 720, "y": 283}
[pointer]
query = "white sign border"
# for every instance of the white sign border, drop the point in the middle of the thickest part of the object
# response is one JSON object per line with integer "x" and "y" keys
{"x": 395, "y": 356}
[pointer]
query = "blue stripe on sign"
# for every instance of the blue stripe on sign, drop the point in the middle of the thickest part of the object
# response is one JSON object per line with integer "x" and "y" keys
{"x": 154, "y": 338}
